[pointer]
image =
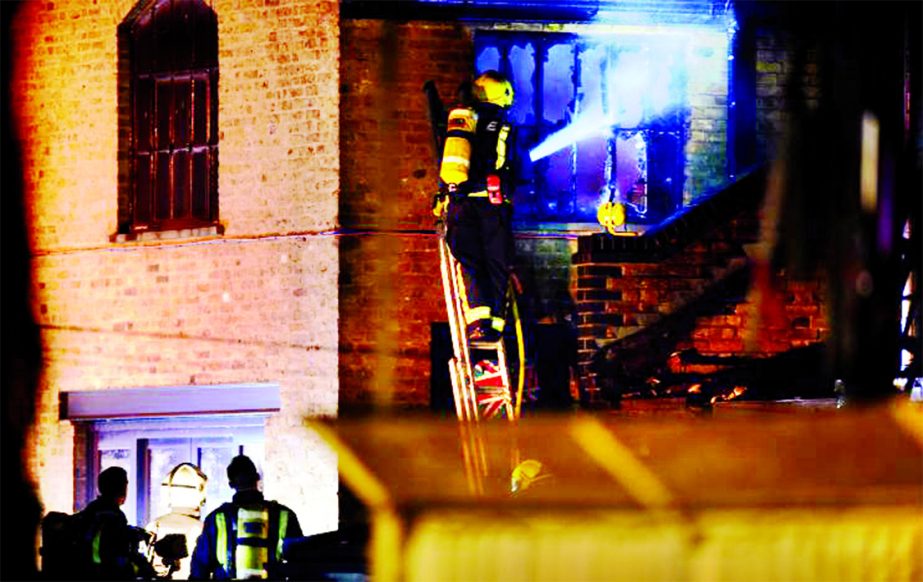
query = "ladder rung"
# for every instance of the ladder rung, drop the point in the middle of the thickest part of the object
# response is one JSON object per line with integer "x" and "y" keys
{"x": 478, "y": 345}
{"x": 473, "y": 399}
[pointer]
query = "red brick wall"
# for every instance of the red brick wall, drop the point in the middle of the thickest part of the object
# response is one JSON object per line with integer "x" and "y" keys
{"x": 697, "y": 279}
{"x": 390, "y": 287}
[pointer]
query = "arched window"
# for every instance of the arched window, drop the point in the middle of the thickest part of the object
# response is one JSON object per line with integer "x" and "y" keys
{"x": 168, "y": 117}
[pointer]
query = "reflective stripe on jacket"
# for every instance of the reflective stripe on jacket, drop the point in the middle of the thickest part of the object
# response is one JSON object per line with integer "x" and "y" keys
{"x": 490, "y": 154}
{"x": 224, "y": 551}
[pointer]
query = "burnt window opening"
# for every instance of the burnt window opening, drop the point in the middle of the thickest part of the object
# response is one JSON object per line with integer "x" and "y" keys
{"x": 168, "y": 112}
{"x": 618, "y": 106}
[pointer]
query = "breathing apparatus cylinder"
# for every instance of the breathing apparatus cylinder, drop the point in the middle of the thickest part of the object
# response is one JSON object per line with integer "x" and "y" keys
{"x": 456, "y": 154}
{"x": 252, "y": 551}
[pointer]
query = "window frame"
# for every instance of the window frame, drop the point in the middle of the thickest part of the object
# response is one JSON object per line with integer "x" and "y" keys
{"x": 169, "y": 183}
{"x": 217, "y": 410}
{"x": 531, "y": 134}
{"x": 245, "y": 433}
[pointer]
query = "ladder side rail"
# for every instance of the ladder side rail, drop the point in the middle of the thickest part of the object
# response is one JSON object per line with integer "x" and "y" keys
{"x": 473, "y": 455}
{"x": 445, "y": 266}
{"x": 503, "y": 365}
{"x": 458, "y": 286}
{"x": 460, "y": 410}
{"x": 459, "y": 366}
{"x": 520, "y": 350}
{"x": 465, "y": 390}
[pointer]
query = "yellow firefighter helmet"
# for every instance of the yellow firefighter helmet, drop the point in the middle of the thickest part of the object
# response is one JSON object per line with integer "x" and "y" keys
{"x": 526, "y": 474}
{"x": 185, "y": 486}
{"x": 494, "y": 87}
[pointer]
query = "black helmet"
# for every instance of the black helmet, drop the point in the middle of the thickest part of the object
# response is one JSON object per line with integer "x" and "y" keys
{"x": 112, "y": 482}
{"x": 242, "y": 472}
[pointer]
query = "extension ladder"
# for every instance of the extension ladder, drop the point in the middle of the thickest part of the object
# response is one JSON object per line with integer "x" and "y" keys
{"x": 478, "y": 393}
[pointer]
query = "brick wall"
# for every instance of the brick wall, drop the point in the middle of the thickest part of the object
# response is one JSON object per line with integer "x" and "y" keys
{"x": 685, "y": 287}
{"x": 258, "y": 304}
{"x": 776, "y": 70}
{"x": 543, "y": 266}
{"x": 706, "y": 130}
{"x": 390, "y": 286}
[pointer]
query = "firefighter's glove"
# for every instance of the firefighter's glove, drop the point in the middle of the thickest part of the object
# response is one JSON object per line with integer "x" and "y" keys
{"x": 440, "y": 202}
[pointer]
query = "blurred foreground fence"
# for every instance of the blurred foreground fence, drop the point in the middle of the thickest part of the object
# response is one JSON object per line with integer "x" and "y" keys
{"x": 831, "y": 495}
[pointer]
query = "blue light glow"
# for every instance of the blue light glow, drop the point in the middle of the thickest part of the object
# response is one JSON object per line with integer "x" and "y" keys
{"x": 638, "y": 84}
{"x": 630, "y": 105}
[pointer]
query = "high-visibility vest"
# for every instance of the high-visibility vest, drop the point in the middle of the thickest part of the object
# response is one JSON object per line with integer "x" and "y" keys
{"x": 248, "y": 530}
{"x": 94, "y": 533}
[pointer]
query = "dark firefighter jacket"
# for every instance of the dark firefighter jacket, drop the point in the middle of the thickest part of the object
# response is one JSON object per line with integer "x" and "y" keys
{"x": 108, "y": 545}
{"x": 214, "y": 555}
{"x": 492, "y": 148}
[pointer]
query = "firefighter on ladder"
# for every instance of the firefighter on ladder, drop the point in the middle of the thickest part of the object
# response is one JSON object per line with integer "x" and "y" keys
{"x": 476, "y": 173}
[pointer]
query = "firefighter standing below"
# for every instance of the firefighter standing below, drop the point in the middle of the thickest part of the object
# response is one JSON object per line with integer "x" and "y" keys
{"x": 243, "y": 539}
{"x": 109, "y": 543}
{"x": 477, "y": 181}
{"x": 185, "y": 491}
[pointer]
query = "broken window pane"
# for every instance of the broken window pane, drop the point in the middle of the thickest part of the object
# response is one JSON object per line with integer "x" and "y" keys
{"x": 522, "y": 60}
{"x": 596, "y": 117}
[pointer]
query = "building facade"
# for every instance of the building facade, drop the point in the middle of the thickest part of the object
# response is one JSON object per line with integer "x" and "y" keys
{"x": 245, "y": 296}
{"x": 229, "y": 209}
